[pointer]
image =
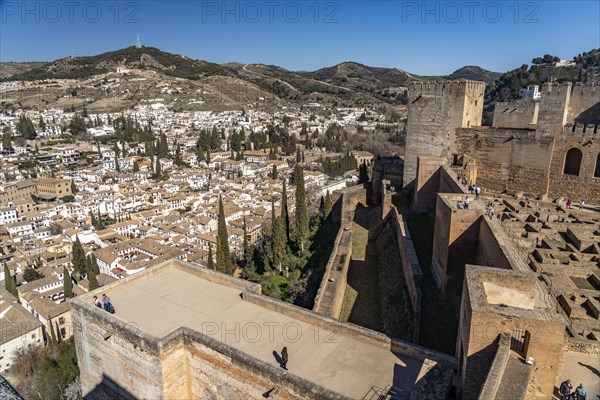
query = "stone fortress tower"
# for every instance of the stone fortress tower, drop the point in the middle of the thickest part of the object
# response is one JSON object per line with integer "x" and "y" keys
{"x": 546, "y": 147}
{"x": 435, "y": 110}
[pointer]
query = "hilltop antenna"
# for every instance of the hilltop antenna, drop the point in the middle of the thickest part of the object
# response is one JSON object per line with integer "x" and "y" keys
{"x": 138, "y": 42}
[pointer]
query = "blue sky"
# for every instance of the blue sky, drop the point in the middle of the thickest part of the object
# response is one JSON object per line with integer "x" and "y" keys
{"x": 426, "y": 38}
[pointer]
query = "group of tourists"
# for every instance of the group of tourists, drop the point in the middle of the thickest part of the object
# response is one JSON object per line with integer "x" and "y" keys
{"x": 463, "y": 204}
{"x": 105, "y": 304}
{"x": 567, "y": 393}
{"x": 581, "y": 204}
{"x": 476, "y": 190}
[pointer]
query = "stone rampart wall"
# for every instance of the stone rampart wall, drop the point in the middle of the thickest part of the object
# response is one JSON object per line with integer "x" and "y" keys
{"x": 330, "y": 296}
{"x": 494, "y": 377}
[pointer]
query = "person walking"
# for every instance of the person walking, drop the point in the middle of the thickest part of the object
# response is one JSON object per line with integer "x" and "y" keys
{"x": 580, "y": 392}
{"x": 581, "y": 204}
{"x": 477, "y": 192}
{"x": 106, "y": 302}
{"x": 565, "y": 390}
{"x": 284, "y": 358}
{"x": 568, "y": 203}
{"x": 467, "y": 202}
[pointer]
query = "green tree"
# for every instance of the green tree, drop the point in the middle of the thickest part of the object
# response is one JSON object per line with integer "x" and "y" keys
{"x": 52, "y": 333}
{"x": 278, "y": 239}
{"x": 67, "y": 283}
{"x": 178, "y": 160}
{"x": 7, "y": 278}
{"x": 99, "y": 224}
{"x": 31, "y": 274}
{"x": 25, "y": 128}
{"x": 327, "y": 205}
{"x": 73, "y": 187}
{"x": 200, "y": 154}
{"x": 6, "y": 138}
{"x": 210, "y": 263}
{"x": 163, "y": 146}
{"x": 91, "y": 274}
{"x": 42, "y": 124}
{"x": 301, "y": 210}
{"x": 56, "y": 370}
{"x": 77, "y": 125}
{"x": 245, "y": 242}
{"x": 285, "y": 215}
{"x": 158, "y": 173}
{"x": 78, "y": 257}
{"x": 10, "y": 284}
{"x": 274, "y": 172}
{"x": 223, "y": 257}
{"x": 95, "y": 267}
{"x": 136, "y": 167}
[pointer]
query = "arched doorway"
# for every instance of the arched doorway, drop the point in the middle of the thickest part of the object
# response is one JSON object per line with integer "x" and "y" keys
{"x": 573, "y": 162}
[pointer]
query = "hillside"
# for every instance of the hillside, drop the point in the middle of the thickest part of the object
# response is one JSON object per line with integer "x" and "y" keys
{"x": 507, "y": 86}
{"x": 474, "y": 73}
{"x": 198, "y": 85}
{"x": 13, "y": 68}
{"x": 131, "y": 57}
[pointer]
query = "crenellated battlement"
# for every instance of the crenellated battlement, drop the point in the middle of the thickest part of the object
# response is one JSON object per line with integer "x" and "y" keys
{"x": 555, "y": 88}
{"x": 518, "y": 102}
{"x": 441, "y": 87}
{"x": 581, "y": 129}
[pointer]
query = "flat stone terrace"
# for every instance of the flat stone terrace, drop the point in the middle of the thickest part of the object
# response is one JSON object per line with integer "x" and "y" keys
{"x": 563, "y": 247}
{"x": 168, "y": 297}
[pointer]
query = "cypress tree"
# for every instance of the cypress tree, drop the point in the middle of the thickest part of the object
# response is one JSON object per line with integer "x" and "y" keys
{"x": 78, "y": 257}
{"x": 301, "y": 211}
{"x": 284, "y": 211}
{"x": 7, "y": 278}
{"x": 99, "y": 223}
{"x": 211, "y": 263}
{"x": 68, "y": 284}
{"x": 163, "y": 146}
{"x": 274, "y": 172}
{"x": 10, "y": 283}
{"x": 59, "y": 336}
{"x": 278, "y": 240}
{"x": 327, "y": 205}
{"x": 245, "y": 237}
{"x": 52, "y": 333}
{"x": 223, "y": 258}
{"x": 158, "y": 169}
{"x": 92, "y": 280}
{"x": 95, "y": 267}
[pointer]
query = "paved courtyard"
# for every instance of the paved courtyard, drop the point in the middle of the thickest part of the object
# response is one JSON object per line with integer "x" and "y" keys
{"x": 168, "y": 299}
{"x": 582, "y": 368}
